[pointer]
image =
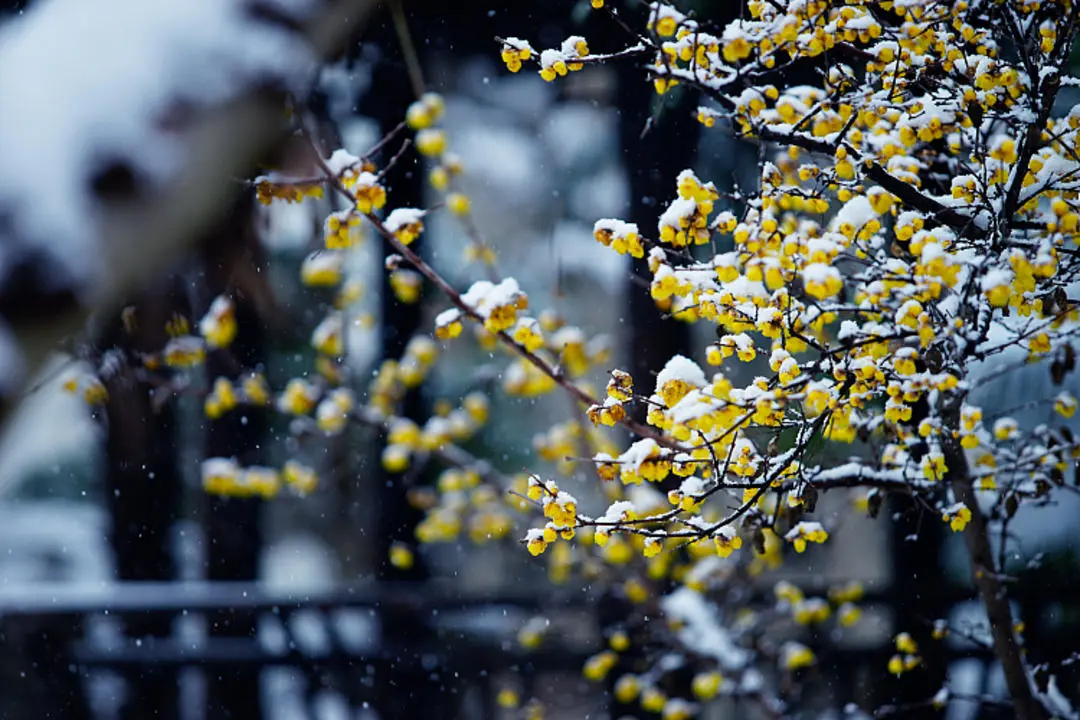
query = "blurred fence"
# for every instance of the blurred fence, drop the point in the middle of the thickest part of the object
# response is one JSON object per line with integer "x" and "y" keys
{"x": 70, "y": 641}
{"x": 65, "y": 653}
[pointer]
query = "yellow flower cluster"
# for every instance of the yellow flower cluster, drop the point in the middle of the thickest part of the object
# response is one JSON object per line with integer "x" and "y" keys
{"x": 907, "y": 656}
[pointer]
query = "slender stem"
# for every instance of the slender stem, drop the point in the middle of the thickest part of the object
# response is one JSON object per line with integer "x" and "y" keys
{"x": 408, "y": 49}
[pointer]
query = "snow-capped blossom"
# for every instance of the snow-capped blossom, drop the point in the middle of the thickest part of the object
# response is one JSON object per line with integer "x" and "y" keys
{"x": 185, "y": 351}
{"x": 822, "y": 281}
{"x": 332, "y": 413}
{"x": 560, "y": 509}
{"x": 322, "y": 268}
{"x": 679, "y": 376}
{"x": 806, "y": 532}
{"x": 405, "y": 223}
{"x": 431, "y": 142}
{"x": 370, "y": 195}
{"x": 552, "y": 64}
{"x": 620, "y": 386}
{"x": 682, "y": 224}
{"x": 327, "y": 336}
{"x": 740, "y": 345}
{"x": 219, "y": 475}
{"x": 448, "y": 324}
{"x": 218, "y": 326}
{"x": 395, "y": 458}
{"x": 527, "y": 333}
{"x": 514, "y": 52}
{"x": 298, "y": 398}
{"x": 426, "y": 111}
{"x": 706, "y": 685}
{"x": 607, "y": 468}
{"x": 497, "y": 304}
{"x": 644, "y": 460}
{"x": 811, "y": 611}
{"x": 1065, "y": 404}
{"x": 621, "y": 236}
{"x": 609, "y": 413}
{"x": 957, "y": 515}
{"x": 300, "y": 478}
{"x": 794, "y": 656}
{"x": 664, "y": 19}
{"x": 1006, "y": 428}
{"x": 689, "y": 493}
{"x": 726, "y": 540}
{"x": 406, "y": 285}
{"x": 221, "y": 399}
{"x": 745, "y": 461}
{"x": 341, "y": 229}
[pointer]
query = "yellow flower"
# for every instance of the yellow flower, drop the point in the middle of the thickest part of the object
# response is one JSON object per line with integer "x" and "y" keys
{"x": 341, "y": 230}
{"x": 221, "y": 399}
{"x": 185, "y": 352}
{"x": 220, "y": 476}
{"x": 706, "y": 685}
{"x": 598, "y": 666}
{"x": 332, "y": 413}
{"x": 508, "y": 699}
{"x": 94, "y": 392}
{"x": 425, "y": 111}
{"x": 218, "y": 326}
{"x": 727, "y": 541}
{"x": 535, "y": 542}
{"x": 1039, "y": 345}
{"x": 514, "y": 52}
{"x": 958, "y": 516}
{"x": 407, "y": 285}
{"x": 406, "y": 224}
{"x": 653, "y": 699}
{"x": 298, "y": 397}
{"x": 806, "y": 532}
{"x": 259, "y": 481}
{"x": 458, "y": 203}
{"x": 848, "y": 614}
{"x": 811, "y": 611}
{"x": 255, "y": 389}
{"x": 322, "y": 268}
{"x": 653, "y": 546}
{"x": 677, "y": 709}
{"x": 327, "y": 337}
{"x": 906, "y": 644}
{"x": 448, "y": 324}
{"x": 1006, "y": 429}
{"x": 934, "y": 467}
{"x": 1065, "y": 404}
{"x": 401, "y": 556}
{"x": 300, "y": 478}
{"x": 822, "y": 281}
{"x": 431, "y": 142}
{"x": 370, "y": 196}
{"x": 627, "y": 688}
{"x": 532, "y": 633}
{"x": 395, "y": 458}
{"x": 794, "y": 656}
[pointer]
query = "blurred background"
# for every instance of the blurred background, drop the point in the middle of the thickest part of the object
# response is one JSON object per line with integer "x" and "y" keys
{"x": 128, "y": 592}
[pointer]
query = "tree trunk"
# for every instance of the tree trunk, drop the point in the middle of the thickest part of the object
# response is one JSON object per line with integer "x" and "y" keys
{"x": 985, "y": 576}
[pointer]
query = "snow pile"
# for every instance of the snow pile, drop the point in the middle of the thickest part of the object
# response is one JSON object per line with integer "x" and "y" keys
{"x": 700, "y": 632}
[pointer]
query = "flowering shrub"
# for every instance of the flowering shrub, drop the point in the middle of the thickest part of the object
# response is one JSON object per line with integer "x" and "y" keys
{"x": 916, "y": 215}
